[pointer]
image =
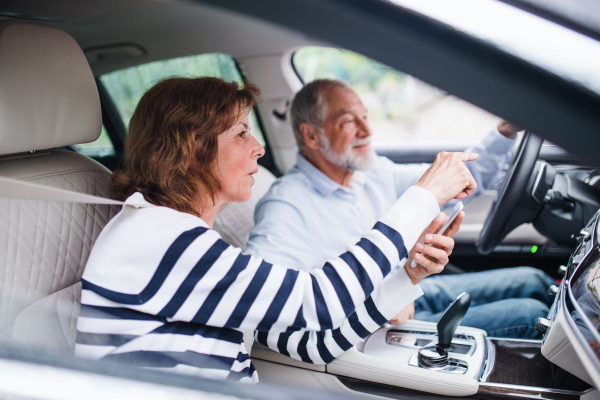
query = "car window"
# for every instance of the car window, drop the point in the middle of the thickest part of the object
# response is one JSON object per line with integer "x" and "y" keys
{"x": 101, "y": 147}
{"x": 125, "y": 87}
{"x": 401, "y": 107}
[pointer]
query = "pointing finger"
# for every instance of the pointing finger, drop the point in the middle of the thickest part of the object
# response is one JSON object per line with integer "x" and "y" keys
{"x": 469, "y": 156}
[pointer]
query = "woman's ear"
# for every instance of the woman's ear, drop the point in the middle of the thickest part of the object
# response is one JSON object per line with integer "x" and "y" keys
{"x": 310, "y": 135}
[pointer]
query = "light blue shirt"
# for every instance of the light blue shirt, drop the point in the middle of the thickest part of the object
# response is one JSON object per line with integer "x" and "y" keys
{"x": 306, "y": 218}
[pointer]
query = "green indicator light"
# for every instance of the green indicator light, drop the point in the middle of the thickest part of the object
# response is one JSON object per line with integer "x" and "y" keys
{"x": 534, "y": 249}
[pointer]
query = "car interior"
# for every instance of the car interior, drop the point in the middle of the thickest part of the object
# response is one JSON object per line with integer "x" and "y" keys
{"x": 63, "y": 126}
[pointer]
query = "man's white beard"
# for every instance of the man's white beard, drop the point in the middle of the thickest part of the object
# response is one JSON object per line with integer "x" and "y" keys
{"x": 350, "y": 160}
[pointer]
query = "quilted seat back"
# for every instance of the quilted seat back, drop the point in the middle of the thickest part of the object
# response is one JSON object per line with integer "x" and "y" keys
{"x": 44, "y": 246}
{"x": 48, "y": 98}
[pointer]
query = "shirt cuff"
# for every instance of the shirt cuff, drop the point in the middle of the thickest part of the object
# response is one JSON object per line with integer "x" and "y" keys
{"x": 411, "y": 214}
{"x": 395, "y": 293}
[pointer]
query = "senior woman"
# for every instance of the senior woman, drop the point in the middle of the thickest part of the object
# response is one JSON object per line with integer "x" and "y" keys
{"x": 162, "y": 290}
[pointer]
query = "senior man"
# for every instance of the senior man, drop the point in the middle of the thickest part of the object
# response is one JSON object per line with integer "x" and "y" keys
{"x": 339, "y": 188}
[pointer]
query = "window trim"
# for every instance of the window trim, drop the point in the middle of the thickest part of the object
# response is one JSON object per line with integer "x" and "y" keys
{"x": 298, "y": 74}
{"x": 111, "y": 119}
{"x": 267, "y": 159}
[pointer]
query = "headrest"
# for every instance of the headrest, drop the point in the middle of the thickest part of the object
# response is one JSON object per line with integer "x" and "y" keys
{"x": 48, "y": 97}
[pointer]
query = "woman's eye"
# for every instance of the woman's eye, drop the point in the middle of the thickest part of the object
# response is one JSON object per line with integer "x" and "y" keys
{"x": 242, "y": 134}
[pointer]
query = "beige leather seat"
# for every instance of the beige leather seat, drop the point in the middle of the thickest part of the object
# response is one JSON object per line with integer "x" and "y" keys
{"x": 235, "y": 221}
{"x": 48, "y": 98}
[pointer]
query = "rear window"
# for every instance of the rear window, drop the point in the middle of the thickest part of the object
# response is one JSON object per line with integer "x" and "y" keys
{"x": 126, "y": 87}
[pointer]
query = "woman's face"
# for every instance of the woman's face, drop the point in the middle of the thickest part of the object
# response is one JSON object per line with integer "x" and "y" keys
{"x": 237, "y": 155}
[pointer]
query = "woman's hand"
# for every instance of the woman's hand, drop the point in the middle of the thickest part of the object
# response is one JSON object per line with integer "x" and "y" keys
{"x": 448, "y": 178}
{"x": 404, "y": 315}
{"x": 432, "y": 259}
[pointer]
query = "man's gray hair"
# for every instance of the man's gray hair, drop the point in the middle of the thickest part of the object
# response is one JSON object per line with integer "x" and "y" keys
{"x": 308, "y": 106}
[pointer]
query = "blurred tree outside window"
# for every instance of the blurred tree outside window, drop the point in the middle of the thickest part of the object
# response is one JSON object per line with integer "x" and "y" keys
{"x": 127, "y": 86}
{"x": 401, "y": 108}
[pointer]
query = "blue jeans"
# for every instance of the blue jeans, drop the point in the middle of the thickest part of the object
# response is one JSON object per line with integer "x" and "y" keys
{"x": 504, "y": 302}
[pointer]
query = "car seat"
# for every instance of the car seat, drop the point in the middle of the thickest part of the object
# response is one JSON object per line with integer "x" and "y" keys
{"x": 48, "y": 99}
{"x": 235, "y": 221}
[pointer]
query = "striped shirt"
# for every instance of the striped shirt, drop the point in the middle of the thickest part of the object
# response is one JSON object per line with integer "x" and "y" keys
{"x": 162, "y": 290}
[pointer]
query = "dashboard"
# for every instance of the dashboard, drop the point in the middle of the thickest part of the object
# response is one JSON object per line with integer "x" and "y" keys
{"x": 571, "y": 339}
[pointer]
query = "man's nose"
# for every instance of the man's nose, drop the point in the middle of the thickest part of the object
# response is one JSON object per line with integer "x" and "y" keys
{"x": 364, "y": 130}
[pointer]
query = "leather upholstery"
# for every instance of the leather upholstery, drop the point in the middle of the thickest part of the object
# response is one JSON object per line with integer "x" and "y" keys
{"x": 48, "y": 97}
{"x": 44, "y": 246}
{"x": 235, "y": 221}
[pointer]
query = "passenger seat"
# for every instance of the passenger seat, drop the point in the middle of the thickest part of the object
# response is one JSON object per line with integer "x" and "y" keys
{"x": 48, "y": 99}
{"x": 235, "y": 221}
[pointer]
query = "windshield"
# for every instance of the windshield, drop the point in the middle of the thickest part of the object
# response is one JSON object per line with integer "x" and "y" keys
{"x": 557, "y": 49}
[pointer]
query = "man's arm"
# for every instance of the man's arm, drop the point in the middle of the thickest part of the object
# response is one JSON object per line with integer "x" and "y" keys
{"x": 493, "y": 150}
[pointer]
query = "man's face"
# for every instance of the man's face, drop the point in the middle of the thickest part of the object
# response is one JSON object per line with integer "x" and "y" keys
{"x": 346, "y": 139}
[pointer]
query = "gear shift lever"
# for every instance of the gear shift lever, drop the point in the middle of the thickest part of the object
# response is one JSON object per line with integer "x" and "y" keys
{"x": 451, "y": 318}
{"x": 437, "y": 356}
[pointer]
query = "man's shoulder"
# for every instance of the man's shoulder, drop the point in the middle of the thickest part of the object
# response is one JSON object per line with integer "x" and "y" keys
{"x": 291, "y": 187}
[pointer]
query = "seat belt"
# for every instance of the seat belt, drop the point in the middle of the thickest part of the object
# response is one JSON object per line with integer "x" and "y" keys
{"x": 15, "y": 189}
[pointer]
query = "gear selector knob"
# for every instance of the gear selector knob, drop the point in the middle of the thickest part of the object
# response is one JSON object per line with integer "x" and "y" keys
{"x": 451, "y": 318}
{"x": 433, "y": 357}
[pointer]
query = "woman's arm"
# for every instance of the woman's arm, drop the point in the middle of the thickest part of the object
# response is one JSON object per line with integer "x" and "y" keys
{"x": 201, "y": 279}
{"x": 324, "y": 346}
{"x": 224, "y": 288}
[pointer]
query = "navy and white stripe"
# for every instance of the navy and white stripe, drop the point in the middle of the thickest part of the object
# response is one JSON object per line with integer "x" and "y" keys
{"x": 161, "y": 290}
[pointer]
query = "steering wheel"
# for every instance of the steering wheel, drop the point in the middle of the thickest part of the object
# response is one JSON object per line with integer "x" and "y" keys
{"x": 497, "y": 225}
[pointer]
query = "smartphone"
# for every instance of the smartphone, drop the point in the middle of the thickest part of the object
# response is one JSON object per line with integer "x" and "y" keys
{"x": 457, "y": 209}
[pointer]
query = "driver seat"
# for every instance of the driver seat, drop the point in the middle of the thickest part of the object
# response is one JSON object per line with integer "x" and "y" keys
{"x": 48, "y": 99}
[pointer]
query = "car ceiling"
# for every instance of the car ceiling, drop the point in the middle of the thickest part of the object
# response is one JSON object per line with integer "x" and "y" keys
{"x": 161, "y": 29}
{"x": 561, "y": 111}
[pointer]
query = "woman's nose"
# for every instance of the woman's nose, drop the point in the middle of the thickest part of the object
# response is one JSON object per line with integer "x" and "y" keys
{"x": 258, "y": 151}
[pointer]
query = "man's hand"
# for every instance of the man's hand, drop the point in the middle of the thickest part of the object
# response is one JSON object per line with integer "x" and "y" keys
{"x": 448, "y": 178}
{"x": 432, "y": 258}
{"x": 507, "y": 129}
{"x": 404, "y": 315}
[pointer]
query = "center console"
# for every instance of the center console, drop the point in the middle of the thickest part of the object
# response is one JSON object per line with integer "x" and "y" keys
{"x": 467, "y": 356}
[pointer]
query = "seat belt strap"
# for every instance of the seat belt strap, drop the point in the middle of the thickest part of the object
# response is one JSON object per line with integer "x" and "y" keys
{"x": 14, "y": 189}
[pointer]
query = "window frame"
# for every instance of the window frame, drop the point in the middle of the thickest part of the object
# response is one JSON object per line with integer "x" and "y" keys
{"x": 117, "y": 131}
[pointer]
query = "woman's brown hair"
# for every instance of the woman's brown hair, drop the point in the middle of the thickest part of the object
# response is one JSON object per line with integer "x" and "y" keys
{"x": 171, "y": 146}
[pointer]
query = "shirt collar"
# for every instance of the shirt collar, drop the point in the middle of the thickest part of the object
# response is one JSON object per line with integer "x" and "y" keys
{"x": 321, "y": 182}
{"x": 137, "y": 200}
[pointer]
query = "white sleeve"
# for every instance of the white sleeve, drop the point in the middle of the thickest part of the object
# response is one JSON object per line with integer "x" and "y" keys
{"x": 202, "y": 279}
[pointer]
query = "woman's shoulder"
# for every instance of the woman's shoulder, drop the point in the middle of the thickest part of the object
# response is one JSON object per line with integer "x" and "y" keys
{"x": 140, "y": 222}
{"x": 137, "y": 238}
